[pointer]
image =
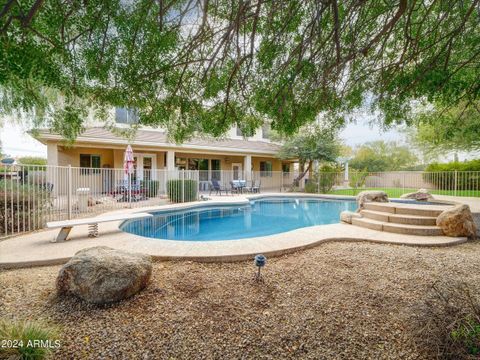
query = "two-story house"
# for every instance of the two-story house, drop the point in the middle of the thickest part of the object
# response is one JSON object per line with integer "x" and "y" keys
{"x": 98, "y": 147}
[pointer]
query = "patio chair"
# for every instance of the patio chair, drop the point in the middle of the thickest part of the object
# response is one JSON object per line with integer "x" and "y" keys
{"x": 135, "y": 192}
{"x": 215, "y": 186}
{"x": 249, "y": 188}
{"x": 235, "y": 187}
{"x": 256, "y": 186}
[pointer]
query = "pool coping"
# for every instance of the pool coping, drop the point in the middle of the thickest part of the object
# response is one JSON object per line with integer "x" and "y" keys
{"x": 35, "y": 249}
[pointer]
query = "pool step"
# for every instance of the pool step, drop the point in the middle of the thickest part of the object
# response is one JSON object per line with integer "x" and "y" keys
{"x": 407, "y": 229}
{"x": 406, "y": 209}
{"x": 399, "y": 218}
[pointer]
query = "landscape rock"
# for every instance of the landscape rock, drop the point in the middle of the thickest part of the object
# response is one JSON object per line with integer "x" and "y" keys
{"x": 457, "y": 221}
{"x": 370, "y": 196}
{"x": 103, "y": 275}
{"x": 347, "y": 216}
{"x": 420, "y": 195}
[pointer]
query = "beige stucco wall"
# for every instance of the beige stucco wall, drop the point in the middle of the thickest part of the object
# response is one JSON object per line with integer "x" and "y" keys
{"x": 276, "y": 163}
{"x": 114, "y": 157}
{"x": 119, "y": 153}
{"x": 226, "y": 161}
{"x": 71, "y": 156}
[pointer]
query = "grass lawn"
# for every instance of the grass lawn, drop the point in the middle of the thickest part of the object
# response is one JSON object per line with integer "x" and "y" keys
{"x": 396, "y": 192}
{"x": 335, "y": 301}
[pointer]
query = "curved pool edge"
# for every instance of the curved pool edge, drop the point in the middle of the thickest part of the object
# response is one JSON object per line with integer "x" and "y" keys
{"x": 35, "y": 249}
{"x": 169, "y": 214}
{"x": 220, "y": 251}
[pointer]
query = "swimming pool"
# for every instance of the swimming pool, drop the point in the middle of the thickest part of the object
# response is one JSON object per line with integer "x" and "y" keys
{"x": 260, "y": 217}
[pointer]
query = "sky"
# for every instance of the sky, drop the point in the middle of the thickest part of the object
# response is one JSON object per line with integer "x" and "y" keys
{"x": 17, "y": 142}
{"x": 362, "y": 132}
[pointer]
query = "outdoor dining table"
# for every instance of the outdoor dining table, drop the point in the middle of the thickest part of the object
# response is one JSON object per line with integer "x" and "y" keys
{"x": 239, "y": 185}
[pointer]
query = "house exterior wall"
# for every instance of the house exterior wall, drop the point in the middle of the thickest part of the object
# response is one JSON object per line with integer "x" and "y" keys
{"x": 113, "y": 158}
{"x": 119, "y": 153}
{"x": 276, "y": 163}
{"x": 71, "y": 156}
{"x": 91, "y": 121}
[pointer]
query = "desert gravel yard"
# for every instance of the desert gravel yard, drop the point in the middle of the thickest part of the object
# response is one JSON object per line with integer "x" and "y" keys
{"x": 339, "y": 300}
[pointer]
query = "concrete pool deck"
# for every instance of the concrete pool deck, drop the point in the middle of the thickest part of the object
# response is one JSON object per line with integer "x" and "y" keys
{"x": 36, "y": 248}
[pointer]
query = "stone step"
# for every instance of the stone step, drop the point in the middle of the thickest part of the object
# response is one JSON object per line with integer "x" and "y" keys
{"x": 404, "y": 209}
{"x": 405, "y": 229}
{"x": 399, "y": 218}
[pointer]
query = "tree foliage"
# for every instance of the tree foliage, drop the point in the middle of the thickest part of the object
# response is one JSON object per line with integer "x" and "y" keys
{"x": 445, "y": 130}
{"x": 205, "y": 65}
{"x": 32, "y": 160}
{"x": 314, "y": 143}
{"x": 383, "y": 156}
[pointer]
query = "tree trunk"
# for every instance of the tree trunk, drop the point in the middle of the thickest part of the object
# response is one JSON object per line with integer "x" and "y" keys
{"x": 302, "y": 174}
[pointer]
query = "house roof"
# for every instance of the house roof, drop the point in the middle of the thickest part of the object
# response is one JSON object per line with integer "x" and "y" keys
{"x": 155, "y": 138}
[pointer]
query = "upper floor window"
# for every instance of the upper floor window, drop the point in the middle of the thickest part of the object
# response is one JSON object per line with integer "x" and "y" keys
{"x": 266, "y": 131}
{"x": 126, "y": 116}
{"x": 239, "y": 132}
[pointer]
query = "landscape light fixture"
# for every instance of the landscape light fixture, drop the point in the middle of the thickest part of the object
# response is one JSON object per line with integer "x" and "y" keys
{"x": 260, "y": 261}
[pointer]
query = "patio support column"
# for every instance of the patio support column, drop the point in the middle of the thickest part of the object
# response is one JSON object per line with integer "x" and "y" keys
{"x": 170, "y": 160}
{"x": 52, "y": 162}
{"x": 247, "y": 166}
{"x": 52, "y": 154}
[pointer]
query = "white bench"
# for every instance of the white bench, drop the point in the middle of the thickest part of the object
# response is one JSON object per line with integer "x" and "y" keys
{"x": 67, "y": 225}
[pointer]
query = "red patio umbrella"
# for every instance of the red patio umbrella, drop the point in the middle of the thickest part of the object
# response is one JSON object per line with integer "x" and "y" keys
{"x": 128, "y": 161}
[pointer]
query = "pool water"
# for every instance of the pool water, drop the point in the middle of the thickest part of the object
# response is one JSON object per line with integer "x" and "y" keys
{"x": 259, "y": 218}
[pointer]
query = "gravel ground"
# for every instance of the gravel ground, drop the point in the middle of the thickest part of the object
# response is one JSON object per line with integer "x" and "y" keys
{"x": 339, "y": 300}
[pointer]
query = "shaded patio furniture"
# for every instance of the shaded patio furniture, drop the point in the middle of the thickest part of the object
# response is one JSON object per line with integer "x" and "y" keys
{"x": 255, "y": 186}
{"x": 125, "y": 193}
{"x": 252, "y": 188}
{"x": 237, "y": 186}
{"x": 215, "y": 186}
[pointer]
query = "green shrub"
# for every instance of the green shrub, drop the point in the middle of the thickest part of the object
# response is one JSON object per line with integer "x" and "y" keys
{"x": 472, "y": 165}
{"x": 442, "y": 176}
{"x": 176, "y": 188}
{"x": 26, "y": 335}
{"x": 311, "y": 186}
{"x": 151, "y": 186}
{"x": 324, "y": 180}
{"x": 34, "y": 162}
{"x": 22, "y": 206}
{"x": 446, "y": 324}
{"x": 468, "y": 334}
{"x": 357, "y": 178}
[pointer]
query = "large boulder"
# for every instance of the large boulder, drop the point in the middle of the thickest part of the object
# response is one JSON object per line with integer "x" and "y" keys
{"x": 420, "y": 195}
{"x": 370, "y": 196}
{"x": 102, "y": 274}
{"x": 347, "y": 216}
{"x": 457, "y": 221}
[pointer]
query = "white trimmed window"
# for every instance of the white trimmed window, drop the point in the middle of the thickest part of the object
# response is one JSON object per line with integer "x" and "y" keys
{"x": 126, "y": 116}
